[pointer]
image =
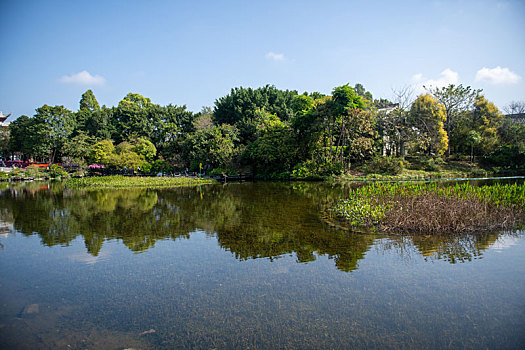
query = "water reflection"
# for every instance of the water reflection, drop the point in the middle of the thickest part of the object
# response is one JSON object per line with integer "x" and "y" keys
{"x": 249, "y": 220}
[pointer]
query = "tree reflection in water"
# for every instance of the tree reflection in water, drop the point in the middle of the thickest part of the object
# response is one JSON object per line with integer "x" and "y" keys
{"x": 255, "y": 220}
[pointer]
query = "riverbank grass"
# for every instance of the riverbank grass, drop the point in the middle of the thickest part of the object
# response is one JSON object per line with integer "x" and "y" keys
{"x": 119, "y": 181}
{"x": 432, "y": 208}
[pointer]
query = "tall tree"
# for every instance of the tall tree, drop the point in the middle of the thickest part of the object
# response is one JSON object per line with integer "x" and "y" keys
{"x": 243, "y": 104}
{"x": 88, "y": 102}
{"x": 487, "y": 120}
{"x": 428, "y": 115}
{"x": 88, "y": 106}
{"x": 455, "y": 99}
{"x": 54, "y": 126}
{"x": 135, "y": 117}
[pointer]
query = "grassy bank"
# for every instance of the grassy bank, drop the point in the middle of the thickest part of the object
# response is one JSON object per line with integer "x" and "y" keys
{"x": 432, "y": 208}
{"x": 134, "y": 181}
{"x": 419, "y": 168}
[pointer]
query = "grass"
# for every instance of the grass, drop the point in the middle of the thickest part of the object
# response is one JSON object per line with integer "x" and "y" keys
{"x": 431, "y": 208}
{"x": 119, "y": 181}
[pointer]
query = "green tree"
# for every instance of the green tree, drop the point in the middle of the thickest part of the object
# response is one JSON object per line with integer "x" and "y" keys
{"x": 4, "y": 140}
{"x": 145, "y": 148}
{"x": 88, "y": 106}
{"x": 101, "y": 151}
{"x": 170, "y": 124}
{"x": 78, "y": 147}
{"x": 21, "y": 136}
{"x": 53, "y": 126}
{"x": 487, "y": 120}
{"x": 242, "y": 105}
{"x": 455, "y": 100}
{"x": 473, "y": 140}
{"x": 101, "y": 124}
{"x": 275, "y": 149}
{"x": 136, "y": 117}
{"x": 345, "y": 97}
{"x": 428, "y": 115}
{"x": 88, "y": 102}
{"x": 214, "y": 146}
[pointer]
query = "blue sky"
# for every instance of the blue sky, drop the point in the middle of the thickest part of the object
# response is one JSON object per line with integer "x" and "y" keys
{"x": 193, "y": 52}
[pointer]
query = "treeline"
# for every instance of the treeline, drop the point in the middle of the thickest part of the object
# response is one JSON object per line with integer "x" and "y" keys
{"x": 273, "y": 133}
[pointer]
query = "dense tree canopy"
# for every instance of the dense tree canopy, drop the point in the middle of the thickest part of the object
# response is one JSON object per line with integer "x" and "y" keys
{"x": 272, "y": 132}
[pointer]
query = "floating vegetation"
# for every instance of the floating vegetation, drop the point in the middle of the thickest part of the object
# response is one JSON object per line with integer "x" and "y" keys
{"x": 119, "y": 181}
{"x": 432, "y": 208}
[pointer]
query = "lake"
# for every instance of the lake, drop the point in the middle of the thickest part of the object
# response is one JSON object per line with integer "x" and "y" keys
{"x": 242, "y": 266}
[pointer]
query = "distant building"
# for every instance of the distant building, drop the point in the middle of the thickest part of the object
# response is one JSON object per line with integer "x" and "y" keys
{"x": 388, "y": 109}
{"x": 517, "y": 117}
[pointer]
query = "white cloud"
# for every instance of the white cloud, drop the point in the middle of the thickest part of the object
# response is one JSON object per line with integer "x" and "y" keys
{"x": 275, "y": 56}
{"x": 497, "y": 75}
{"x": 83, "y": 78}
{"x": 446, "y": 78}
{"x": 417, "y": 78}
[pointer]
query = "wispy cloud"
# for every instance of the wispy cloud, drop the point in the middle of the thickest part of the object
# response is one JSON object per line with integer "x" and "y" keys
{"x": 497, "y": 75}
{"x": 83, "y": 78}
{"x": 275, "y": 56}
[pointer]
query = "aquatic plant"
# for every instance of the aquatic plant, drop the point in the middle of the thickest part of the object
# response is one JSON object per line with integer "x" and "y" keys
{"x": 433, "y": 208}
{"x": 119, "y": 181}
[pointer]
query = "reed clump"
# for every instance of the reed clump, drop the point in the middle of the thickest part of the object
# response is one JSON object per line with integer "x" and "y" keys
{"x": 433, "y": 209}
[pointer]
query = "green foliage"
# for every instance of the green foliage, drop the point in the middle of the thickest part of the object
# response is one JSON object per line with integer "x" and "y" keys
{"x": 101, "y": 151}
{"x": 385, "y": 165}
{"x": 214, "y": 146}
{"x": 78, "y": 147}
{"x": 508, "y": 159}
{"x": 345, "y": 97}
{"x": 414, "y": 207}
{"x": 88, "y": 102}
{"x": 241, "y": 106}
{"x": 361, "y": 211}
{"x": 56, "y": 171}
{"x": 487, "y": 120}
{"x": 127, "y": 182}
{"x": 316, "y": 169}
{"x": 161, "y": 165}
{"x": 302, "y": 103}
{"x": 145, "y": 148}
{"x": 146, "y": 167}
{"x": 456, "y": 99}
{"x": 433, "y": 164}
{"x": 275, "y": 150}
{"x": 125, "y": 160}
{"x": 32, "y": 171}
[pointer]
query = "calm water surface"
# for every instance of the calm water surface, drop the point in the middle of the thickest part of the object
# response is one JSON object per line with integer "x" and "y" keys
{"x": 242, "y": 266}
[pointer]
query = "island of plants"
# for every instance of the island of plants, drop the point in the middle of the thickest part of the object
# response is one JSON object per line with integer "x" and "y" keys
{"x": 431, "y": 208}
{"x": 119, "y": 181}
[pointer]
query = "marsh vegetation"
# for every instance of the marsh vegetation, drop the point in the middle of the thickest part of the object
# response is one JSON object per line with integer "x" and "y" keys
{"x": 432, "y": 208}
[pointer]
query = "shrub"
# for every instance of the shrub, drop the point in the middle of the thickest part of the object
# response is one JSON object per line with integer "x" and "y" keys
{"x": 508, "y": 159}
{"x": 32, "y": 171}
{"x": 434, "y": 164}
{"x": 313, "y": 169}
{"x": 56, "y": 171}
{"x": 145, "y": 167}
{"x": 161, "y": 165}
{"x": 385, "y": 165}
